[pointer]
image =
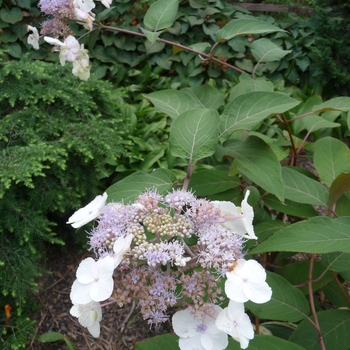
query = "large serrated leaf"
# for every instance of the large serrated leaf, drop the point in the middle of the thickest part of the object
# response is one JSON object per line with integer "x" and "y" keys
{"x": 128, "y": 189}
{"x": 161, "y": 14}
{"x": 301, "y": 189}
{"x": 206, "y": 96}
{"x": 317, "y": 235}
{"x": 248, "y": 110}
{"x": 338, "y": 103}
{"x": 339, "y": 186}
{"x": 334, "y": 326}
{"x": 264, "y": 50}
{"x": 244, "y": 26}
{"x": 287, "y": 302}
{"x": 335, "y": 261}
{"x": 194, "y": 134}
{"x": 257, "y": 162}
{"x": 172, "y": 102}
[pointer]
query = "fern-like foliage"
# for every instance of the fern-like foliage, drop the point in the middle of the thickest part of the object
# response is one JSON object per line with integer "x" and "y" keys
{"x": 56, "y": 135}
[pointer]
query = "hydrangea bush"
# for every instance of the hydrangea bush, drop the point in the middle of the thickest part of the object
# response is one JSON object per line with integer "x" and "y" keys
{"x": 175, "y": 235}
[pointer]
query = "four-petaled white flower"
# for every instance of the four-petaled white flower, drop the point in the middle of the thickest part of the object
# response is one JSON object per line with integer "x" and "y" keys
{"x": 94, "y": 281}
{"x": 197, "y": 331}
{"x": 33, "y": 39}
{"x": 235, "y": 322}
{"x": 88, "y": 213}
{"x": 81, "y": 66}
{"x": 239, "y": 220}
{"x": 89, "y": 316}
{"x": 120, "y": 247}
{"x": 246, "y": 281}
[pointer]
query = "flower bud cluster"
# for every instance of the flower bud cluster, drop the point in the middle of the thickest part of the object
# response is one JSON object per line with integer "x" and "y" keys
{"x": 170, "y": 250}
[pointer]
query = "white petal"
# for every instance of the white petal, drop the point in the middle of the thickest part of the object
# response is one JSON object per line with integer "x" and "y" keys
{"x": 234, "y": 288}
{"x": 80, "y": 293}
{"x": 74, "y": 311}
{"x": 87, "y": 271}
{"x": 95, "y": 329}
{"x": 192, "y": 343}
{"x": 184, "y": 324}
{"x": 251, "y": 269}
{"x": 53, "y": 41}
{"x": 258, "y": 293}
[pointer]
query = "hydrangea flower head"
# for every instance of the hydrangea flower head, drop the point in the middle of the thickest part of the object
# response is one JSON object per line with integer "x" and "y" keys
{"x": 88, "y": 213}
{"x": 198, "y": 330}
{"x": 246, "y": 281}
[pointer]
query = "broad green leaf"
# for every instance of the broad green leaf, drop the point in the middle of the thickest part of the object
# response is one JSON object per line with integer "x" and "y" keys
{"x": 104, "y": 14}
{"x": 287, "y": 302}
{"x": 316, "y": 235}
{"x": 161, "y": 14}
{"x": 257, "y": 162}
{"x": 202, "y": 47}
{"x": 206, "y": 96}
{"x": 301, "y": 189}
{"x": 338, "y": 103}
{"x": 15, "y": 50}
{"x": 160, "y": 342}
{"x": 51, "y": 337}
{"x": 151, "y": 36}
{"x": 69, "y": 343}
{"x": 335, "y": 295}
{"x": 314, "y": 123}
{"x": 194, "y": 134}
{"x": 331, "y": 158}
{"x": 336, "y": 261}
{"x": 334, "y": 325}
{"x": 23, "y": 3}
{"x": 264, "y": 342}
{"x": 339, "y": 186}
{"x": 264, "y": 50}
{"x": 172, "y": 102}
{"x": 248, "y": 84}
{"x": 212, "y": 181}
{"x": 268, "y": 228}
{"x": 245, "y": 26}
{"x": 248, "y": 110}
{"x": 289, "y": 207}
{"x": 128, "y": 189}
{"x": 11, "y": 16}
{"x": 156, "y": 46}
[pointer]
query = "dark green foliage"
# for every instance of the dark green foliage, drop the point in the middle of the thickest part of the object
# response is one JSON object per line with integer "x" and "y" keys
{"x": 56, "y": 135}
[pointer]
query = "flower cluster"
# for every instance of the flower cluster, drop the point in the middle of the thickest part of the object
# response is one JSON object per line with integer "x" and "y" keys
{"x": 169, "y": 250}
{"x": 60, "y": 12}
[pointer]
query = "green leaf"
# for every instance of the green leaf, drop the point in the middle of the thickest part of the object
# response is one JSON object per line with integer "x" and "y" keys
{"x": 316, "y": 235}
{"x": 212, "y": 181}
{"x": 172, "y": 102}
{"x": 339, "y": 186}
{"x": 245, "y": 26}
{"x": 104, "y": 14}
{"x": 248, "y": 84}
{"x": 69, "y": 343}
{"x": 23, "y": 3}
{"x": 202, "y": 47}
{"x": 334, "y": 294}
{"x": 156, "y": 46}
{"x": 264, "y": 50}
{"x": 287, "y": 302}
{"x": 301, "y": 189}
{"x": 151, "y": 36}
{"x": 257, "y": 162}
{"x": 160, "y": 342}
{"x": 11, "y": 16}
{"x": 51, "y": 337}
{"x": 334, "y": 325}
{"x": 265, "y": 342}
{"x": 289, "y": 207}
{"x": 248, "y": 110}
{"x": 336, "y": 261}
{"x": 128, "y": 189}
{"x": 331, "y": 158}
{"x": 15, "y": 50}
{"x": 206, "y": 96}
{"x": 194, "y": 134}
{"x": 161, "y": 14}
{"x": 313, "y": 123}
{"x": 338, "y": 103}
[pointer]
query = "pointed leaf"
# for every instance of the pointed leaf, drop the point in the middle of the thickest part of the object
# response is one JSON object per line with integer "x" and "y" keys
{"x": 161, "y": 14}
{"x": 339, "y": 186}
{"x": 51, "y": 337}
{"x": 336, "y": 261}
{"x": 172, "y": 102}
{"x": 248, "y": 110}
{"x": 331, "y": 158}
{"x": 301, "y": 189}
{"x": 128, "y": 189}
{"x": 317, "y": 235}
{"x": 212, "y": 181}
{"x": 338, "y": 103}
{"x": 206, "y": 96}
{"x": 194, "y": 134}
{"x": 314, "y": 123}
{"x": 334, "y": 325}
{"x": 264, "y": 50}
{"x": 151, "y": 36}
{"x": 244, "y": 26}
{"x": 287, "y": 302}
{"x": 257, "y": 162}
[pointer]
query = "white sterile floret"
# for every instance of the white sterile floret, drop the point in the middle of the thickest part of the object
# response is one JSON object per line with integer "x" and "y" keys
{"x": 239, "y": 220}
{"x": 33, "y": 39}
{"x": 89, "y": 316}
{"x": 120, "y": 247}
{"x": 246, "y": 281}
{"x": 106, "y": 3}
{"x": 69, "y": 49}
{"x": 235, "y": 322}
{"x": 94, "y": 281}
{"x": 81, "y": 66}
{"x": 88, "y": 213}
{"x": 197, "y": 331}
